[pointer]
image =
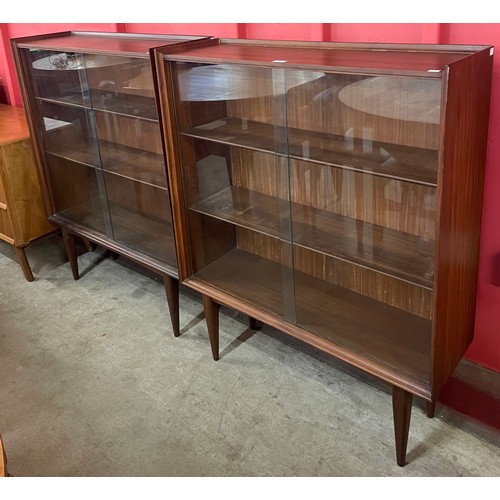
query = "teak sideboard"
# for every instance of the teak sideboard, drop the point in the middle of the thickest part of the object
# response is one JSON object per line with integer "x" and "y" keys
{"x": 334, "y": 191}
{"x": 22, "y": 215}
{"x": 92, "y": 110}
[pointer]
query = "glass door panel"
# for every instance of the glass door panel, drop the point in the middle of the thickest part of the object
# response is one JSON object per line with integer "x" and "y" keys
{"x": 68, "y": 136}
{"x": 73, "y": 162}
{"x": 235, "y": 175}
{"x": 122, "y": 95}
{"x": 363, "y": 174}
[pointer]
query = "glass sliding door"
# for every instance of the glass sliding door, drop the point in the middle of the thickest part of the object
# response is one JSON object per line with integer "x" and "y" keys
{"x": 123, "y": 100}
{"x": 66, "y": 124}
{"x": 363, "y": 175}
{"x": 232, "y": 137}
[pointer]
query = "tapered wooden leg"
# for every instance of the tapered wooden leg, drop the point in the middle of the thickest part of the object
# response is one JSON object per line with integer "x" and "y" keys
{"x": 3, "y": 461}
{"x": 25, "y": 265}
{"x": 431, "y": 408}
{"x": 254, "y": 324}
{"x": 212, "y": 317}
{"x": 70, "y": 245}
{"x": 172, "y": 290}
{"x": 401, "y": 407}
{"x": 88, "y": 244}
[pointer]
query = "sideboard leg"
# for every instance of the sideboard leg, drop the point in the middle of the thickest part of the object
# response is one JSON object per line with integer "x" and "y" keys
{"x": 70, "y": 245}
{"x": 212, "y": 317}
{"x": 401, "y": 407}
{"x": 172, "y": 291}
{"x": 23, "y": 261}
{"x": 431, "y": 408}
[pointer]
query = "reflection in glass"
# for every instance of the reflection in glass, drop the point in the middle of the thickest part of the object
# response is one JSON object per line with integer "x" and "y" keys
{"x": 363, "y": 175}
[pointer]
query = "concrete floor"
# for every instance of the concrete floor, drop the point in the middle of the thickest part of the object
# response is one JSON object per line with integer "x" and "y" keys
{"x": 93, "y": 383}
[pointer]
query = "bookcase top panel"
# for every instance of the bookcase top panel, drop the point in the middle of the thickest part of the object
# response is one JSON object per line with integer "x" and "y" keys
{"x": 119, "y": 43}
{"x": 408, "y": 59}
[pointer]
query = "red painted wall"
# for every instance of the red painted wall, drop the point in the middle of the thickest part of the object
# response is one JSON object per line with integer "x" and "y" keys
{"x": 229, "y": 30}
{"x": 485, "y": 349}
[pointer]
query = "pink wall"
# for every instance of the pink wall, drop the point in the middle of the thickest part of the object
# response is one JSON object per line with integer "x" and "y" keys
{"x": 228, "y": 30}
{"x": 485, "y": 350}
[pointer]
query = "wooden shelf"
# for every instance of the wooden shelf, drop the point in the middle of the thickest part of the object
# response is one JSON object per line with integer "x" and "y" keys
{"x": 135, "y": 164}
{"x": 386, "y": 160}
{"x": 76, "y": 100}
{"x": 142, "y": 108}
{"x": 392, "y": 338}
{"x": 83, "y": 155}
{"x": 135, "y": 106}
{"x": 392, "y": 252}
{"x": 134, "y": 229}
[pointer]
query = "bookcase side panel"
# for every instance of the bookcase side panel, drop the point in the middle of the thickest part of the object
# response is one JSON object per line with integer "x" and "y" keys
{"x": 459, "y": 220}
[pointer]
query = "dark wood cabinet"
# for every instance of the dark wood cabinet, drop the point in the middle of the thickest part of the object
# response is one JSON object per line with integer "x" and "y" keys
{"x": 91, "y": 102}
{"x": 334, "y": 191}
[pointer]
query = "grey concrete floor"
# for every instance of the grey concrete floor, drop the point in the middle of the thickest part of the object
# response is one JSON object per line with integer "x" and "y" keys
{"x": 93, "y": 383}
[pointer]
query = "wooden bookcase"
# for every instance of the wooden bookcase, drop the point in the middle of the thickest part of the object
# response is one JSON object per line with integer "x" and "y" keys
{"x": 22, "y": 216}
{"x": 334, "y": 191}
{"x": 92, "y": 110}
